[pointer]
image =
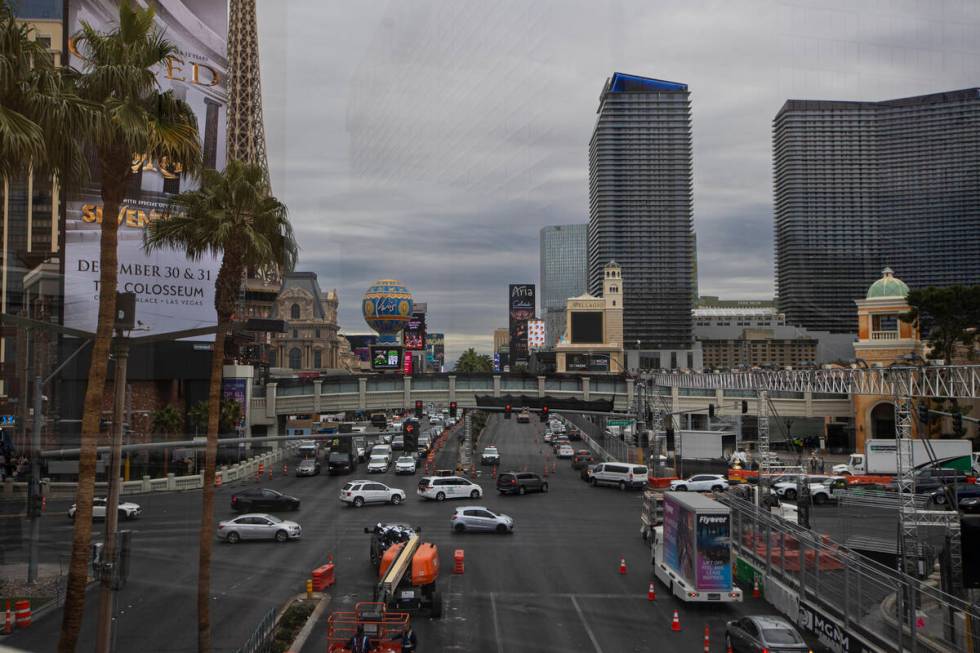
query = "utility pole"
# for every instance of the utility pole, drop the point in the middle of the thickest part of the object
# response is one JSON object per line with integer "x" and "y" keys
{"x": 763, "y": 448}
{"x": 34, "y": 489}
{"x": 109, "y": 569}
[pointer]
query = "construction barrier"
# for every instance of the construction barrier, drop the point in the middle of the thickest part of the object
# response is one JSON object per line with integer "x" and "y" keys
{"x": 323, "y": 577}
{"x": 458, "y": 561}
{"x": 23, "y": 611}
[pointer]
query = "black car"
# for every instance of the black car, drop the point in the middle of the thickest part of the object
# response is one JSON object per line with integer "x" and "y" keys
{"x": 341, "y": 462}
{"x": 520, "y": 483}
{"x": 970, "y": 505}
{"x": 763, "y": 633}
{"x": 263, "y": 500}
{"x": 930, "y": 480}
{"x": 384, "y": 535}
{"x": 941, "y": 496}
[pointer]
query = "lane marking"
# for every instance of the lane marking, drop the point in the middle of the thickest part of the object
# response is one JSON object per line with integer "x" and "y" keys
{"x": 588, "y": 629}
{"x": 496, "y": 623}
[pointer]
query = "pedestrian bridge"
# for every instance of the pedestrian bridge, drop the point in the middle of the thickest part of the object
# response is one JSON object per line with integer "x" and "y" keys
{"x": 296, "y": 396}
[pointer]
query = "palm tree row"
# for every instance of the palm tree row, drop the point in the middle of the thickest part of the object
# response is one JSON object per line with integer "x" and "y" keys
{"x": 111, "y": 112}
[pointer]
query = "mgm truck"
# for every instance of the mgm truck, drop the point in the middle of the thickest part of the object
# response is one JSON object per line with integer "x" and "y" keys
{"x": 692, "y": 551}
{"x": 879, "y": 456}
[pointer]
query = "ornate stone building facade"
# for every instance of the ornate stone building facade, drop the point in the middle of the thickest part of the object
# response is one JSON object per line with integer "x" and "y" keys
{"x": 311, "y": 340}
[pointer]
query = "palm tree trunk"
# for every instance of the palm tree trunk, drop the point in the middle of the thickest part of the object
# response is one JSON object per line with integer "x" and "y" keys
{"x": 207, "y": 493}
{"x": 113, "y": 189}
{"x": 227, "y": 287}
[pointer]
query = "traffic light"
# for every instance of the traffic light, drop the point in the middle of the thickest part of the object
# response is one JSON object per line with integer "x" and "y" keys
{"x": 507, "y": 411}
{"x": 418, "y": 409}
{"x": 410, "y": 435}
{"x": 745, "y": 406}
{"x": 452, "y": 409}
{"x": 544, "y": 414}
{"x": 923, "y": 410}
{"x": 958, "y": 429}
{"x": 711, "y": 410}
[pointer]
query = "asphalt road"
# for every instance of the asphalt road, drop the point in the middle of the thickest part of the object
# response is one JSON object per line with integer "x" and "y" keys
{"x": 553, "y": 585}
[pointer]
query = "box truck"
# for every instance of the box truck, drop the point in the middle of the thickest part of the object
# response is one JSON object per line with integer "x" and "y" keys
{"x": 879, "y": 456}
{"x": 692, "y": 551}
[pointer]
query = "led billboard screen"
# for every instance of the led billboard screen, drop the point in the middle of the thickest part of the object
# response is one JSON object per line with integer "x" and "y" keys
{"x": 586, "y": 327}
{"x": 521, "y": 305}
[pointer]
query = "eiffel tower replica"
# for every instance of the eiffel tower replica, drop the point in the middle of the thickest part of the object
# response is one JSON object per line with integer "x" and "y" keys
{"x": 246, "y": 131}
{"x": 246, "y": 143}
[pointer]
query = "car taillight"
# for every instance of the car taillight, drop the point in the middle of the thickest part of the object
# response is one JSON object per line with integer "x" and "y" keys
{"x": 234, "y": 500}
{"x": 513, "y": 482}
{"x": 220, "y": 526}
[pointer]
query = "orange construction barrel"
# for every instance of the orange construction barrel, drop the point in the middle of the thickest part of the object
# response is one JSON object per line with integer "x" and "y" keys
{"x": 22, "y": 610}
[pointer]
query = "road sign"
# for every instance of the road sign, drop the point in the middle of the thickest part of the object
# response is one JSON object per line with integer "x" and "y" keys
{"x": 619, "y": 422}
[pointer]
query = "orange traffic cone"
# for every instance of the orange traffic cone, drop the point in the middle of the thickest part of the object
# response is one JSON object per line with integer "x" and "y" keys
{"x": 675, "y": 625}
{"x": 651, "y": 593}
{"x": 546, "y": 470}
{"x": 755, "y": 588}
{"x": 217, "y": 480}
{"x": 8, "y": 621}
{"x": 707, "y": 639}
{"x": 285, "y": 469}
{"x": 728, "y": 649}
{"x": 622, "y": 566}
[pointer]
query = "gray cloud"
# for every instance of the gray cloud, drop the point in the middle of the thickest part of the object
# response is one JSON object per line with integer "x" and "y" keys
{"x": 431, "y": 140}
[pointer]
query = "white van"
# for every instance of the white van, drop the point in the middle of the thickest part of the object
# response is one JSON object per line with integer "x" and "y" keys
{"x": 622, "y": 475}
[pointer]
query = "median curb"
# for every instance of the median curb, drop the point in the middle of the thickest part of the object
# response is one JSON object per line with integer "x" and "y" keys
{"x": 307, "y": 629}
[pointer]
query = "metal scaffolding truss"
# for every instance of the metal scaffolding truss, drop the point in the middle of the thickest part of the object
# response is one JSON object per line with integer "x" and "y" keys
{"x": 933, "y": 381}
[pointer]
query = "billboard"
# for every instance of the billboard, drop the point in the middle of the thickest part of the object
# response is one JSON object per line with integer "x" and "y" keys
{"x": 435, "y": 348}
{"x": 535, "y": 334}
{"x": 714, "y": 564}
{"x": 237, "y": 390}
{"x": 583, "y": 362}
{"x": 172, "y": 292}
{"x": 586, "y": 327}
{"x": 386, "y": 357}
{"x": 413, "y": 336}
{"x": 679, "y": 544}
{"x": 521, "y": 305}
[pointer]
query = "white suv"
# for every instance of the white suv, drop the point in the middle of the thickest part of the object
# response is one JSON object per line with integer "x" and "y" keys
{"x": 441, "y": 488}
{"x": 126, "y": 510}
{"x": 622, "y": 475}
{"x": 357, "y": 493}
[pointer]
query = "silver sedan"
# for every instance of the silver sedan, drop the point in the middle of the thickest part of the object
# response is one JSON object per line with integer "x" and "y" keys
{"x": 258, "y": 526}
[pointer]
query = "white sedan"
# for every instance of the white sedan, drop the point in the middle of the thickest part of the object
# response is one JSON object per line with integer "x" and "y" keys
{"x": 701, "y": 483}
{"x": 127, "y": 510}
{"x": 565, "y": 451}
{"x": 405, "y": 465}
{"x": 258, "y": 526}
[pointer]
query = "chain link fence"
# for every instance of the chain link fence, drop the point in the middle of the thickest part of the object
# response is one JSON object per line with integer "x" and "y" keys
{"x": 849, "y": 601}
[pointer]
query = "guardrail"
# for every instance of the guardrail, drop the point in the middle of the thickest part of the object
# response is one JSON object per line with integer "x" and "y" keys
{"x": 840, "y": 594}
{"x": 247, "y": 469}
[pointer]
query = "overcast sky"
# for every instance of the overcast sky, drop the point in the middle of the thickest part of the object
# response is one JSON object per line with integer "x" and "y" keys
{"x": 429, "y": 141}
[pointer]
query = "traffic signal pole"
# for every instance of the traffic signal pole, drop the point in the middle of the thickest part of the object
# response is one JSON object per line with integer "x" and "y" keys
{"x": 34, "y": 493}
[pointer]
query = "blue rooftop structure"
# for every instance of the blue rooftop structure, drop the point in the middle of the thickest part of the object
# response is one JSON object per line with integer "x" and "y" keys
{"x": 623, "y": 83}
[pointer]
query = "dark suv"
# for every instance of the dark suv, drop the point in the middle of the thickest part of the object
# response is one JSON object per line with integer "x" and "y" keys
{"x": 341, "y": 462}
{"x": 520, "y": 483}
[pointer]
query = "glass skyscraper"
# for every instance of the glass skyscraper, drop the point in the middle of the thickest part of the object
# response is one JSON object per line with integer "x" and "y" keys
{"x": 641, "y": 207}
{"x": 564, "y": 260}
{"x": 863, "y": 185}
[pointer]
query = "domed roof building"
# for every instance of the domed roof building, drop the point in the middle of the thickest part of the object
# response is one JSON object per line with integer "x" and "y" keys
{"x": 888, "y": 286}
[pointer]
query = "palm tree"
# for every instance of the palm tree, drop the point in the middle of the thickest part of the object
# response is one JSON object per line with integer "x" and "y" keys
{"x": 470, "y": 361}
{"x": 40, "y": 113}
{"x": 133, "y": 118}
{"x": 166, "y": 421}
{"x": 234, "y": 216}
